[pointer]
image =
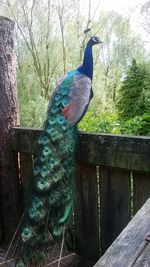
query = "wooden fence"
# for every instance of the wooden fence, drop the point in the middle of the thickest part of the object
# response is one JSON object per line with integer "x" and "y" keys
{"x": 112, "y": 183}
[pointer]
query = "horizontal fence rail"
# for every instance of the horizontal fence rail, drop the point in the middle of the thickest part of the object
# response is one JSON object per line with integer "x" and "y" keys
{"x": 99, "y": 149}
{"x": 112, "y": 183}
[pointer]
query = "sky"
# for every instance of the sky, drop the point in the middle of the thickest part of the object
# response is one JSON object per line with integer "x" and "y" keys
{"x": 121, "y": 6}
{"x": 127, "y": 8}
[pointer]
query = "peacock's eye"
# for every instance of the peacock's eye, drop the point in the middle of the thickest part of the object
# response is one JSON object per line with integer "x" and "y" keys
{"x": 95, "y": 39}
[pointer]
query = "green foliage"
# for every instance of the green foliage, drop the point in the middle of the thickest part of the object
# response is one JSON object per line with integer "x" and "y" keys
{"x": 139, "y": 125}
{"x": 135, "y": 92}
{"x": 33, "y": 112}
{"x": 101, "y": 122}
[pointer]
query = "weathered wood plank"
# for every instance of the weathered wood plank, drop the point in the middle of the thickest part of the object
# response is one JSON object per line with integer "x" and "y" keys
{"x": 141, "y": 189}
{"x": 99, "y": 149}
{"x": 144, "y": 259}
{"x": 24, "y": 140}
{"x": 114, "y": 203}
{"x": 86, "y": 212}
{"x": 130, "y": 244}
{"x": 26, "y": 165}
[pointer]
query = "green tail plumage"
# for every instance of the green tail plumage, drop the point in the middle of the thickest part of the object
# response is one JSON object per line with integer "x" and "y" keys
{"x": 49, "y": 196}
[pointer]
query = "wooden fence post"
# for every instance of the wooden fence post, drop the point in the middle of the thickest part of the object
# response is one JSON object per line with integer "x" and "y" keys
{"x": 9, "y": 117}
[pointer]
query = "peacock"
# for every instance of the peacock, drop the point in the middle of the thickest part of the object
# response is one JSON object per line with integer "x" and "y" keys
{"x": 49, "y": 194}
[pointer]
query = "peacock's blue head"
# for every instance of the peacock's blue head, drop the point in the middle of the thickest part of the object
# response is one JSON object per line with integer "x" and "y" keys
{"x": 87, "y": 65}
{"x": 94, "y": 40}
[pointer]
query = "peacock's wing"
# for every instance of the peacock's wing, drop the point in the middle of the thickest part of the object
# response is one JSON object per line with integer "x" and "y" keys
{"x": 80, "y": 95}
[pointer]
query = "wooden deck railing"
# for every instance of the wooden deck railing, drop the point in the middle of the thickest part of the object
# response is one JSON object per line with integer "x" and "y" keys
{"x": 112, "y": 183}
{"x": 132, "y": 247}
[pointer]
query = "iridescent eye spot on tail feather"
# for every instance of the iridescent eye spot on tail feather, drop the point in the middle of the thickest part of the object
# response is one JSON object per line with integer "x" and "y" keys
{"x": 57, "y": 97}
{"x": 43, "y": 185}
{"x": 54, "y": 163}
{"x": 58, "y": 231}
{"x": 43, "y": 140}
{"x": 54, "y": 110}
{"x": 50, "y": 130}
{"x": 37, "y": 202}
{"x": 36, "y": 171}
{"x": 54, "y": 134}
{"x": 44, "y": 171}
{"x": 61, "y": 120}
{"x": 46, "y": 151}
{"x": 43, "y": 158}
{"x": 64, "y": 91}
{"x": 64, "y": 102}
{"x": 37, "y": 215}
{"x": 52, "y": 121}
{"x": 27, "y": 234}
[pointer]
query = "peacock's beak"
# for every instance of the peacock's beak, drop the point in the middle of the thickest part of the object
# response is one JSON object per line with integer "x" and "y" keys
{"x": 99, "y": 41}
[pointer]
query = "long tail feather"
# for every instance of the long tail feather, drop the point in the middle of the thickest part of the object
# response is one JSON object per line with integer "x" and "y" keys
{"x": 49, "y": 195}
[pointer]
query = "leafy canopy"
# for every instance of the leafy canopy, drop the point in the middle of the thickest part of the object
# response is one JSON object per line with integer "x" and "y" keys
{"x": 134, "y": 95}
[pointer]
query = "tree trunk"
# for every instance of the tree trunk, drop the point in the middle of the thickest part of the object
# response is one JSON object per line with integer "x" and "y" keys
{"x": 9, "y": 184}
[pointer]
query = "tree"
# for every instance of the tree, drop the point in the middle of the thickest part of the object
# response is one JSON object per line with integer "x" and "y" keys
{"x": 135, "y": 92}
{"x": 8, "y": 119}
{"x": 145, "y": 12}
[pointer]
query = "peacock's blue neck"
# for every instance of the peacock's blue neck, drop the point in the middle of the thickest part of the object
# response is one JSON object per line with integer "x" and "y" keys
{"x": 87, "y": 65}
